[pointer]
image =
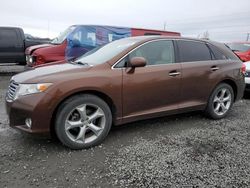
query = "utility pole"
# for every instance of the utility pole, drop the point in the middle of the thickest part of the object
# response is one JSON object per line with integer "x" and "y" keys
{"x": 48, "y": 28}
{"x": 248, "y": 36}
{"x": 164, "y": 27}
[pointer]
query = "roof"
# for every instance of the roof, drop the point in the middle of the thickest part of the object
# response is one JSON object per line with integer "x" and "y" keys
{"x": 128, "y": 28}
{"x": 142, "y": 39}
{"x": 154, "y": 37}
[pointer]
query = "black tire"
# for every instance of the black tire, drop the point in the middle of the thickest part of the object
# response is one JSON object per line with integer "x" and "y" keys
{"x": 72, "y": 104}
{"x": 210, "y": 109}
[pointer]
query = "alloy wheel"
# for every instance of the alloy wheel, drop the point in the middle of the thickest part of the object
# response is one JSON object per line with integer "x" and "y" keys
{"x": 85, "y": 123}
{"x": 222, "y": 101}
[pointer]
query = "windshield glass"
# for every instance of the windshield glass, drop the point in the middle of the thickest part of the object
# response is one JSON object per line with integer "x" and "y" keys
{"x": 63, "y": 35}
{"x": 107, "y": 52}
{"x": 241, "y": 47}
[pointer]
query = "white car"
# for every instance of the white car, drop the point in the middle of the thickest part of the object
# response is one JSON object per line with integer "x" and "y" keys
{"x": 247, "y": 77}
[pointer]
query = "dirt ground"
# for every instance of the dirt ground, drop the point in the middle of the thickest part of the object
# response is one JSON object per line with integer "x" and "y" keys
{"x": 178, "y": 151}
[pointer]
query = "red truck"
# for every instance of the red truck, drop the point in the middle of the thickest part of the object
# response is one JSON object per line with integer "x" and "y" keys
{"x": 242, "y": 49}
{"x": 79, "y": 39}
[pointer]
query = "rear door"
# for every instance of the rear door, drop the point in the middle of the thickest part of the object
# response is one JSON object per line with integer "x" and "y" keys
{"x": 154, "y": 89}
{"x": 197, "y": 66}
{"x": 11, "y": 45}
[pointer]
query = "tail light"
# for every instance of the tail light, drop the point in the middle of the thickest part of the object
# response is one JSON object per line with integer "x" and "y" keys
{"x": 243, "y": 68}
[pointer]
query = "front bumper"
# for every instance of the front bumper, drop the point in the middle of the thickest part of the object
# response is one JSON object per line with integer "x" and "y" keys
{"x": 37, "y": 107}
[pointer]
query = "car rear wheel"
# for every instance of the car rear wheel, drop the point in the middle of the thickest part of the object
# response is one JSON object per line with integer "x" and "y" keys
{"x": 220, "y": 101}
{"x": 83, "y": 121}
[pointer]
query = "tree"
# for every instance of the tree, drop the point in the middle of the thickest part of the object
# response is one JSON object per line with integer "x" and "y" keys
{"x": 206, "y": 35}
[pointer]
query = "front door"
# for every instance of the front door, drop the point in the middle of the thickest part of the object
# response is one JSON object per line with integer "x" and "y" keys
{"x": 152, "y": 90}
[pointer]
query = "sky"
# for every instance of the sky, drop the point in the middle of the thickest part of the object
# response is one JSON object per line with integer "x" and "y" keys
{"x": 223, "y": 20}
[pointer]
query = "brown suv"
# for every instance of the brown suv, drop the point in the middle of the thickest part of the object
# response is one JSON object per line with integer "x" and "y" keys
{"x": 126, "y": 80}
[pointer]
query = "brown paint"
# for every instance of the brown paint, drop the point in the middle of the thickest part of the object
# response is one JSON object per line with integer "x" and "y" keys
{"x": 145, "y": 92}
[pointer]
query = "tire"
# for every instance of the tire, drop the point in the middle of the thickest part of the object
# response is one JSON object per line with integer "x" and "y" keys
{"x": 220, "y": 101}
{"x": 83, "y": 121}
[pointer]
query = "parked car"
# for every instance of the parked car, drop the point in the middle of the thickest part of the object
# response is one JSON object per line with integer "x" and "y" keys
{"x": 247, "y": 76}
{"x": 13, "y": 44}
{"x": 126, "y": 80}
{"x": 242, "y": 49}
{"x": 79, "y": 39}
{"x": 30, "y": 37}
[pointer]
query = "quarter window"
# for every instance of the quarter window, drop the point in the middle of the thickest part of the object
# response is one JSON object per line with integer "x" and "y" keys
{"x": 218, "y": 55}
{"x": 193, "y": 51}
{"x": 157, "y": 52}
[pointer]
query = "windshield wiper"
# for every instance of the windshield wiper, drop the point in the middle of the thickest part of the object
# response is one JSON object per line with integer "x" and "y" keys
{"x": 79, "y": 63}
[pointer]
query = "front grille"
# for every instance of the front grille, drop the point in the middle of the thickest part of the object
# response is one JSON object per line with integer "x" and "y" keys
{"x": 11, "y": 93}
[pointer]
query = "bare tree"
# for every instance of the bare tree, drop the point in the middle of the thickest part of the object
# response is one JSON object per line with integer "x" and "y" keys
{"x": 206, "y": 35}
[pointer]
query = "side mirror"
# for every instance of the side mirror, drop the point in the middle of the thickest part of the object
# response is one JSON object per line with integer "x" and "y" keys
{"x": 138, "y": 62}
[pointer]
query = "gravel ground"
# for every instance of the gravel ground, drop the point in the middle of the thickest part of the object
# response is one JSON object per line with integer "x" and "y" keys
{"x": 185, "y": 150}
{"x": 12, "y": 69}
{"x": 217, "y": 156}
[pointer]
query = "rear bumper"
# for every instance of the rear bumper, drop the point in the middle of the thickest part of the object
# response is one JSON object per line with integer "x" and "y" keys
{"x": 240, "y": 89}
{"x": 247, "y": 81}
{"x": 247, "y": 88}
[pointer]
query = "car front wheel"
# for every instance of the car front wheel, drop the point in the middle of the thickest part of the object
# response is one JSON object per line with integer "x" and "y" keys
{"x": 83, "y": 121}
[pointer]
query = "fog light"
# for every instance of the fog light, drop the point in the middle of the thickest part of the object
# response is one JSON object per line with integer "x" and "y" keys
{"x": 28, "y": 122}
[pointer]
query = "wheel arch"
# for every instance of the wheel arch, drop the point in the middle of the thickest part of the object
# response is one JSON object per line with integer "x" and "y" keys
{"x": 99, "y": 94}
{"x": 232, "y": 84}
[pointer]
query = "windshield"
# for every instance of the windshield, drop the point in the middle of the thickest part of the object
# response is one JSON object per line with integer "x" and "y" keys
{"x": 106, "y": 52}
{"x": 241, "y": 47}
{"x": 63, "y": 35}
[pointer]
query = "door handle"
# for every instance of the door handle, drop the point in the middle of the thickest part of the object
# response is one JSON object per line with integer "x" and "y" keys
{"x": 214, "y": 68}
{"x": 174, "y": 73}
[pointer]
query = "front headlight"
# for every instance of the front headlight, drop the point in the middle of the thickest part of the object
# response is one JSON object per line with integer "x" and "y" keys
{"x": 26, "y": 89}
{"x": 31, "y": 59}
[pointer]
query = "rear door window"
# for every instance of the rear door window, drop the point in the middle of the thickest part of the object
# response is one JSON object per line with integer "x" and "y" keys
{"x": 190, "y": 51}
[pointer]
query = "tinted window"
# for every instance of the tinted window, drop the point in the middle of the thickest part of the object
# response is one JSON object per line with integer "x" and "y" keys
{"x": 84, "y": 37}
{"x": 158, "y": 52}
{"x": 193, "y": 51}
{"x": 8, "y": 36}
{"x": 218, "y": 55}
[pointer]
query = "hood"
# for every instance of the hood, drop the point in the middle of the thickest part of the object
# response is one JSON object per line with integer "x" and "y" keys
{"x": 51, "y": 63}
{"x": 30, "y": 49}
{"x": 53, "y": 72}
